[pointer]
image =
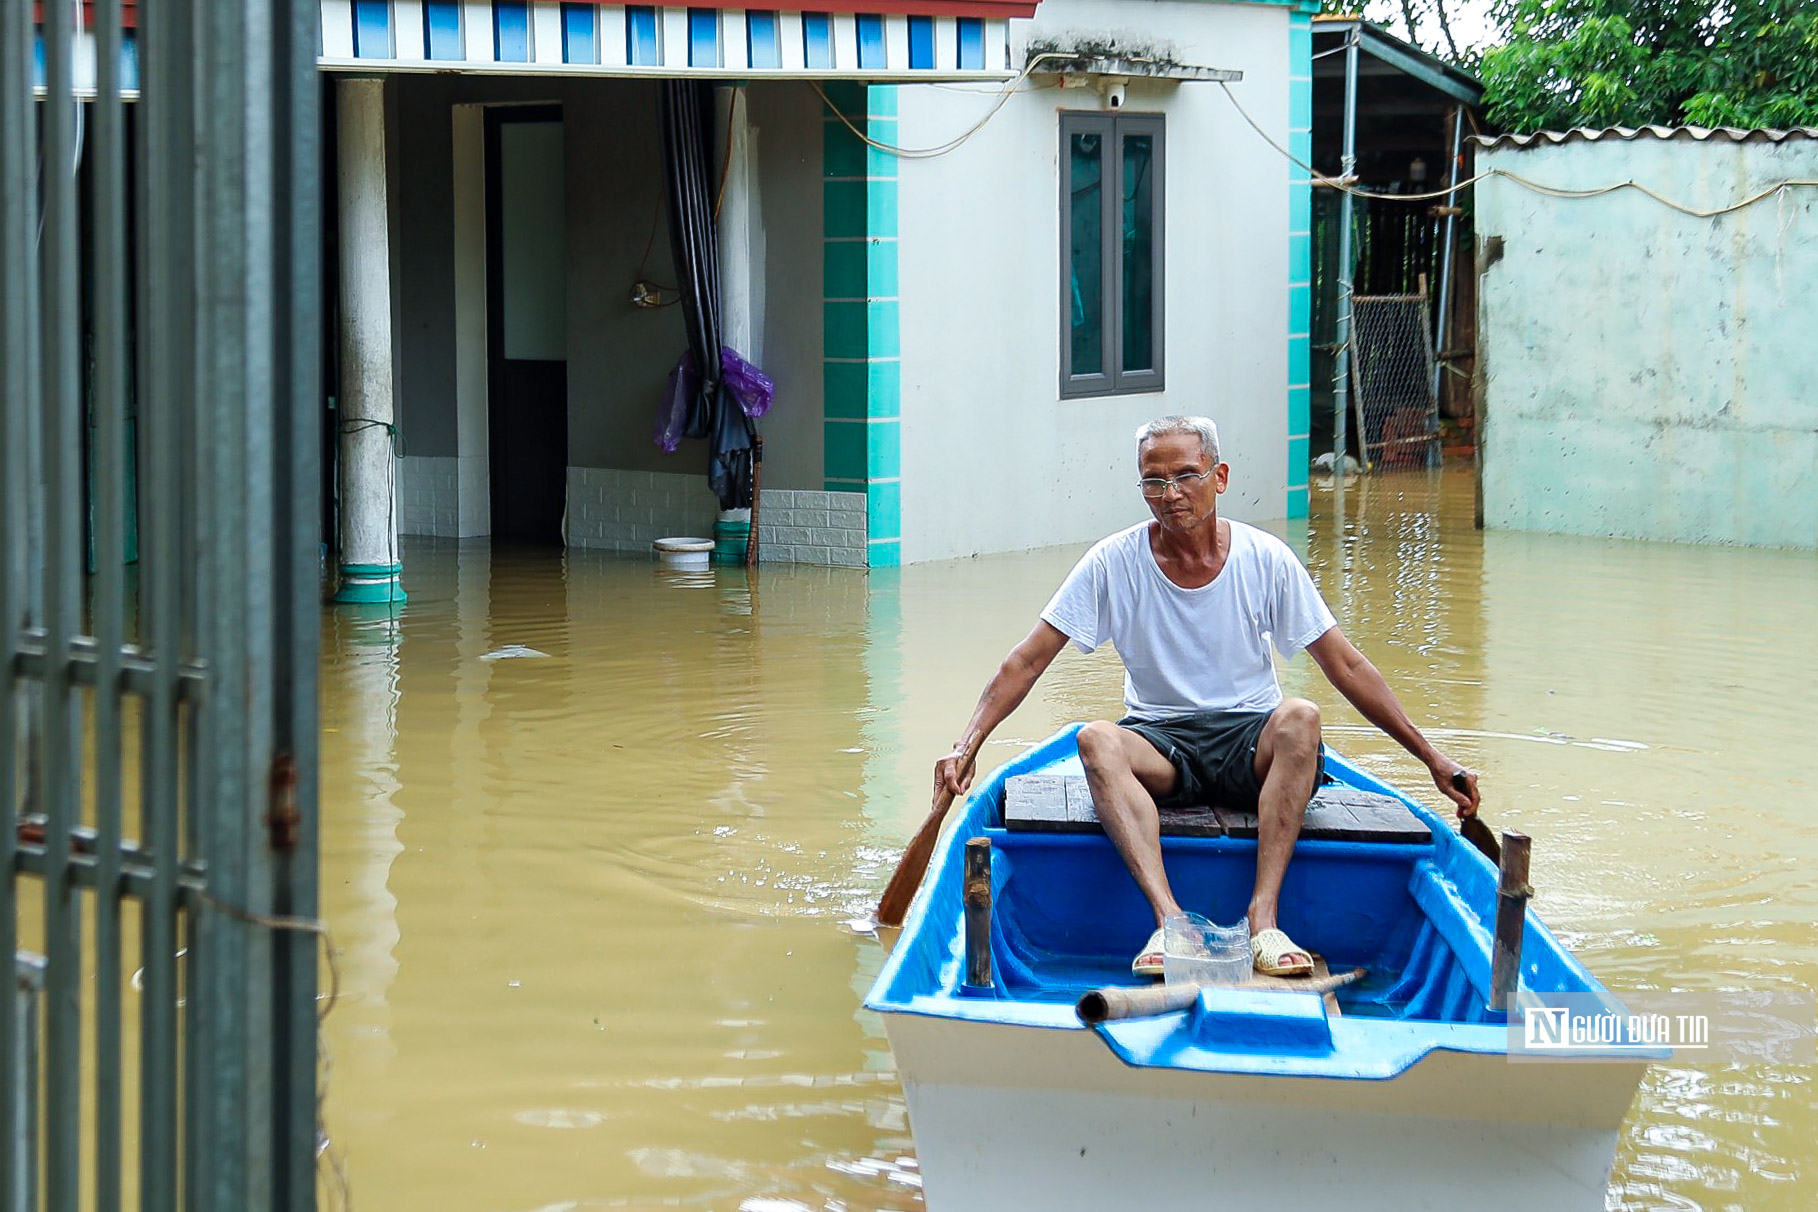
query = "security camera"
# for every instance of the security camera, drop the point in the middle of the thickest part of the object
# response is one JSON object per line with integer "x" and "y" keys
{"x": 1114, "y": 96}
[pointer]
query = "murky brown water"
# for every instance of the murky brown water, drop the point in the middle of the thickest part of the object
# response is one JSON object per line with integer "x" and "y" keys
{"x": 590, "y": 903}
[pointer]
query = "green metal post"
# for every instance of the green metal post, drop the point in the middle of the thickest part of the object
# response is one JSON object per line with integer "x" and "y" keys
{"x": 1341, "y": 378}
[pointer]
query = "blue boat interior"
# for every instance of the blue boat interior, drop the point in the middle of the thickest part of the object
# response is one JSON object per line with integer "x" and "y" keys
{"x": 1067, "y": 918}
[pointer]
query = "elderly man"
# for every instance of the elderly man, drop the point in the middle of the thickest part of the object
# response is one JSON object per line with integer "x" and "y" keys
{"x": 1192, "y": 603}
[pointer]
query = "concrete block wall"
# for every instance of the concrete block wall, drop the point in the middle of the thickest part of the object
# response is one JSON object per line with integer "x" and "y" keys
{"x": 630, "y": 510}
{"x": 812, "y": 528}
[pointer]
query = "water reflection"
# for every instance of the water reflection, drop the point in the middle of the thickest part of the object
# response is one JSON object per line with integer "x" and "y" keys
{"x": 603, "y": 899}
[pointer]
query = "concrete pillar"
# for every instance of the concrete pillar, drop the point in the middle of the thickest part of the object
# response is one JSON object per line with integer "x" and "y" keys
{"x": 472, "y": 444}
{"x": 369, "y": 514}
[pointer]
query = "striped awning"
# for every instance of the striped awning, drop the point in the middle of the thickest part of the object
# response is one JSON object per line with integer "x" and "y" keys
{"x": 83, "y": 49}
{"x": 858, "y": 39}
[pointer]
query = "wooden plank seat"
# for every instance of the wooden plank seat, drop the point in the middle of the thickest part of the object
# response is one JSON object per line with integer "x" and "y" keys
{"x": 1063, "y": 804}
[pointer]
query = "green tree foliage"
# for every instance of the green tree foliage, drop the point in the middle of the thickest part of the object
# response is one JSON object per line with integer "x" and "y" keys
{"x": 1596, "y": 63}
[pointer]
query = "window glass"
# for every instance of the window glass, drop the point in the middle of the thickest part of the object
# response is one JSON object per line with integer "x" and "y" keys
{"x": 971, "y": 33}
{"x": 1113, "y": 193}
{"x": 641, "y": 37}
{"x": 1139, "y": 252}
{"x": 1086, "y": 253}
{"x": 761, "y": 33}
{"x": 817, "y": 40}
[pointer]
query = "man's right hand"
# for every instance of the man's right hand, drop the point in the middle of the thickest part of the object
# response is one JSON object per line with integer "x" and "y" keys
{"x": 953, "y": 774}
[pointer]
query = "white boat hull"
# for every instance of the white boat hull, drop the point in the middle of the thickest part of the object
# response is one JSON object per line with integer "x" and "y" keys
{"x": 1012, "y": 1117}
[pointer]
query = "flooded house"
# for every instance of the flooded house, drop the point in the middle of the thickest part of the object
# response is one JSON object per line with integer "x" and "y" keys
{"x": 973, "y": 243}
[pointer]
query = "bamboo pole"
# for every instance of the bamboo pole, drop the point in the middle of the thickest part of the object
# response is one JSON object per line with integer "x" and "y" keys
{"x": 757, "y": 489}
{"x": 1511, "y": 912}
{"x": 977, "y": 900}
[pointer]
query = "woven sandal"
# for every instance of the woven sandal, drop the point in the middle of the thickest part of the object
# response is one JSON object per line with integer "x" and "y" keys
{"x": 1268, "y": 950}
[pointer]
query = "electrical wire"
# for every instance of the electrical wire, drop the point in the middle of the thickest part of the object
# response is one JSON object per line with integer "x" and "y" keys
{"x": 929, "y": 153}
{"x": 325, "y": 1151}
{"x": 719, "y": 199}
{"x": 360, "y": 425}
{"x": 76, "y": 160}
{"x": 1343, "y": 185}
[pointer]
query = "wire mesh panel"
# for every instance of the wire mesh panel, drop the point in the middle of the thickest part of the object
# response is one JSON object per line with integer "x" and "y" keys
{"x": 158, "y": 246}
{"x": 1392, "y": 380}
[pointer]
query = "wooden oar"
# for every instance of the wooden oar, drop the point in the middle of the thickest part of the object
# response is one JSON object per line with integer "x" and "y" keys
{"x": 1472, "y": 827}
{"x": 909, "y": 869}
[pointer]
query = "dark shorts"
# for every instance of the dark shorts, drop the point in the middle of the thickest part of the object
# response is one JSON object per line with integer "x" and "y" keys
{"x": 1213, "y": 753}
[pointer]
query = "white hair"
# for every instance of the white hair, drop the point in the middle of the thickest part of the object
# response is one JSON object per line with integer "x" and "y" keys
{"x": 1163, "y": 427}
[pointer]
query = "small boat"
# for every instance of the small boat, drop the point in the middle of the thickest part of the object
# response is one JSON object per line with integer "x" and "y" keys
{"x": 1397, "y": 1091}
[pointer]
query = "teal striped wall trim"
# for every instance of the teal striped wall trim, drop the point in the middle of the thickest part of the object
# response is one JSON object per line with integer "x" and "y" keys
{"x": 861, "y": 369}
{"x": 1300, "y": 410}
{"x": 874, "y": 445}
{"x": 860, "y": 328}
{"x": 1300, "y": 257}
{"x": 862, "y": 388}
{"x": 860, "y": 269}
{"x": 884, "y": 510}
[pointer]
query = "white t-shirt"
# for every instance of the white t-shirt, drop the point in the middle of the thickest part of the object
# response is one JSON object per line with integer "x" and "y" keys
{"x": 1192, "y": 649}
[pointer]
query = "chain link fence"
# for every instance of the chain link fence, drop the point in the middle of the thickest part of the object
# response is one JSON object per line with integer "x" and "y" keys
{"x": 1397, "y": 416}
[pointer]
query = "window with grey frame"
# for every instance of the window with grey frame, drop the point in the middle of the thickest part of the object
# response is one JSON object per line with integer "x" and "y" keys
{"x": 1112, "y": 186}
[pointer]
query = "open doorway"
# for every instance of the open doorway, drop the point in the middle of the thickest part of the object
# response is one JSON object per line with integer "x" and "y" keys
{"x": 527, "y": 321}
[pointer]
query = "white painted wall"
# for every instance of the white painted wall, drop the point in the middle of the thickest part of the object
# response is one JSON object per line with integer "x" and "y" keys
{"x": 993, "y": 459}
{"x": 785, "y": 277}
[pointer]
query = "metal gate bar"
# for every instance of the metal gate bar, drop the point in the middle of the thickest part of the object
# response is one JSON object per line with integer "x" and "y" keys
{"x": 59, "y": 722}
{"x": 19, "y": 1185}
{"x": 108, "y": 289}
{"x": 18, "y": 270}
{"x": 164, "y": 302}
{"x": 219, "y": 352}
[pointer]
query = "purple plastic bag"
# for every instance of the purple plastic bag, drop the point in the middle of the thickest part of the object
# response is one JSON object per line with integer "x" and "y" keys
{"x": 750, "y": 386}
{"x": 672, "y": 412}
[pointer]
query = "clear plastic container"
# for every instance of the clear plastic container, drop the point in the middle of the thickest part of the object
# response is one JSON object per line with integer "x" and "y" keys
{"x": 1201, "y": 952}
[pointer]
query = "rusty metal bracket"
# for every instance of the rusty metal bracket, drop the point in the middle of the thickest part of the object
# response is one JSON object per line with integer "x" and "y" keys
{"x": 283, "y": 822}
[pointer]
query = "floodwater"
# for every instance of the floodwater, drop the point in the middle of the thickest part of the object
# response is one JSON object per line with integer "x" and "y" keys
{"x": 593, "y": 894}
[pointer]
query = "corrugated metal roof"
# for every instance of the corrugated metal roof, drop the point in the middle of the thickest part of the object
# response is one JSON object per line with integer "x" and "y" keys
{"x": 1725, "y": 134}
{"x": 1431, "y": 70}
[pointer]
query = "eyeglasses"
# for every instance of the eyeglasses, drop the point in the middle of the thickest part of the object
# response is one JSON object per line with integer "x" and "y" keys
{"x": 1157, "y": 486}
